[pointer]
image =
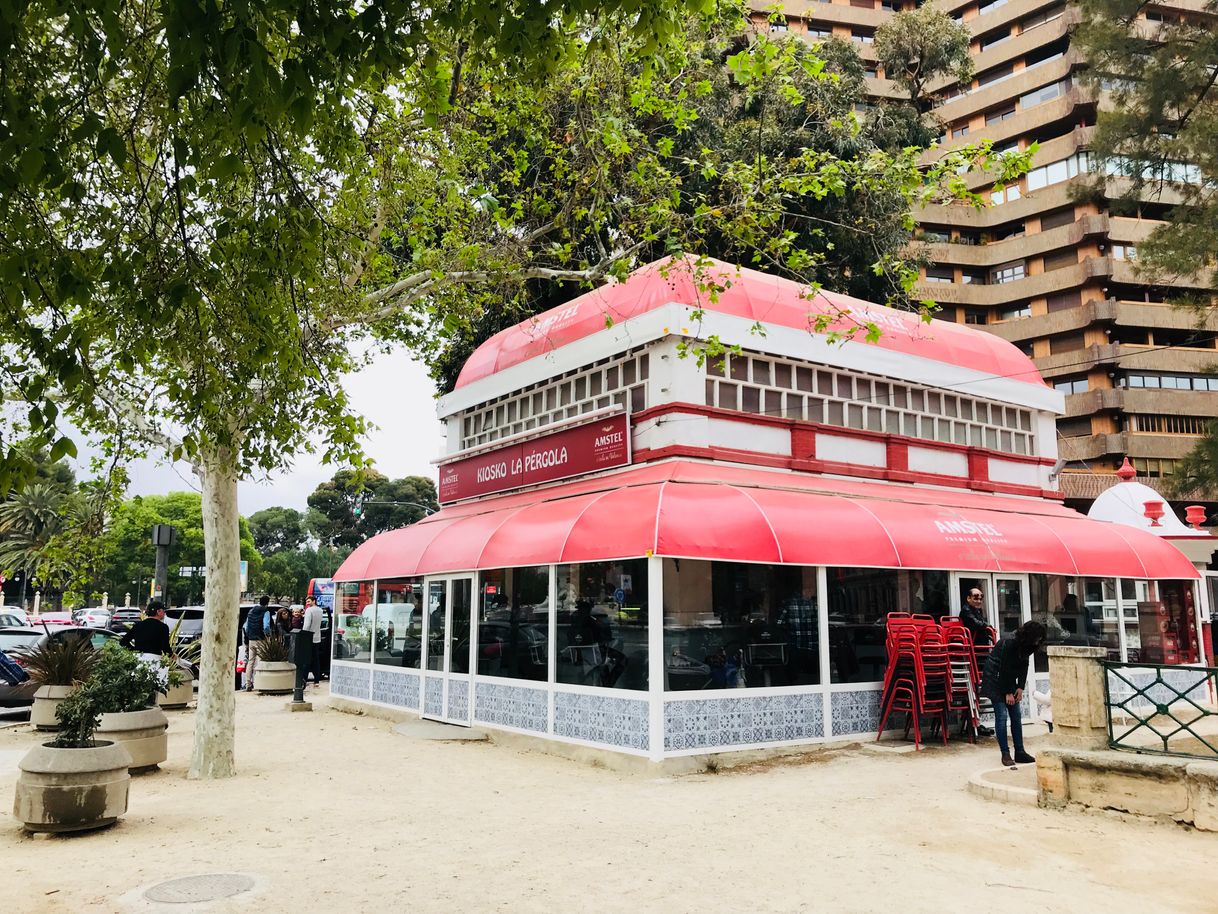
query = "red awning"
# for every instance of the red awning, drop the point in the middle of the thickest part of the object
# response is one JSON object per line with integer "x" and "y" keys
{"x": 703, "y": 511}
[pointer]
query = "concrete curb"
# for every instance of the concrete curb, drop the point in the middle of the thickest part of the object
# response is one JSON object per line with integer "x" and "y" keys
{"x": 981, "y": 785}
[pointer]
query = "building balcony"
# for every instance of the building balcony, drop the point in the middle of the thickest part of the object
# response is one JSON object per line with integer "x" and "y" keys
{"x": 1040, "y": 284}
{"x": 961, "y": 215}
{"x": 1125, "y": 356}
{"x": 1092, "y": 313}
{"x": 999, "y": 252}
{"x": 978, "y": 100}
{"x": 1143, "y": 400}
{"x": 1125, "y": 444}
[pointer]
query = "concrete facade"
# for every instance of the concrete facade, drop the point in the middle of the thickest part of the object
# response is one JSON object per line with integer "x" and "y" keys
{"x": 1048, "y": 266}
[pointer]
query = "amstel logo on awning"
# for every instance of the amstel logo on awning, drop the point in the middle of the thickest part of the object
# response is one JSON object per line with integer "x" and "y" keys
{"x": 967, "y": 531}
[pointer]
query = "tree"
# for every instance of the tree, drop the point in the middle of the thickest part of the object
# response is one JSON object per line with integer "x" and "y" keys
{"x": 277, "y": 530}
{"x": 352, "y": 506}
{"x": 1154, "y": 144}
{"x": 919, "y": 46}
{"x": 202, "y": 211}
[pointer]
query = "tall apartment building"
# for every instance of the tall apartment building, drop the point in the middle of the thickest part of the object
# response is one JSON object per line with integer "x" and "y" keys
{"x": 1046, "y": 267}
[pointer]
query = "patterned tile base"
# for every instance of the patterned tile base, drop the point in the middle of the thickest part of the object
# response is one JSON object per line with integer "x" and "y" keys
{"x": 855, "y": 712}
{"x": 721, "y": 722}
{"x": 611, "y": 721}
{"x": 434, "y": 705}
{"x": 511, "y": 706}
{"x": 458, "y": 700}
{"x": 350, "y": 681}
{"x": 395, "y": 687}
{"x": 1189, "y": 682}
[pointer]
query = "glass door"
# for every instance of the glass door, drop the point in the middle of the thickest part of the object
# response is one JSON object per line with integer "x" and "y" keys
{"x": 448, "y": 644}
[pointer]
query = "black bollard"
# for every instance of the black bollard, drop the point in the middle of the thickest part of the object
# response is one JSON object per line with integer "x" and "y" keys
{"x": 302, "y": 656}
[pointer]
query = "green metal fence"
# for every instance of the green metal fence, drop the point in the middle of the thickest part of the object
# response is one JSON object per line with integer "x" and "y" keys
{"x": 1160, "y": 709}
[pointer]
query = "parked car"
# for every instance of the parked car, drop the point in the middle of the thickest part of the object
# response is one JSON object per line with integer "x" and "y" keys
{"x": 17, "y": 639}
{"x": 92, "y": 617}
{"x": 9, "y": 620}
{"x": 123, "y": 619}
{"x": 55, "y": 618}
{"x": 10, "y": 609}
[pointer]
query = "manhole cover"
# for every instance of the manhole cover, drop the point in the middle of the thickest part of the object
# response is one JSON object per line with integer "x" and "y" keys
{"x": 208, "y": 887}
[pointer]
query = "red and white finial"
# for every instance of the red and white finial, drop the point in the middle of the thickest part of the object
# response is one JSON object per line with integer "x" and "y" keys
{"x": 1126, "y": 473}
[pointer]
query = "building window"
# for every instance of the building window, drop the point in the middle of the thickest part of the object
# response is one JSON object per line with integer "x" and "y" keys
{"x": 862, "y": 38}
{"x": 975, "y": 315}
{"x": 940, "y": 274}
{"x": 1008, "y": 273}
{"x": 1168, "y": 425}
{"x": 859, "y": 602}
{"x": 1000, "y": 115}
{"x": 1056, "y": 172}
{"x": 995, "y": 40}
{"x": 972, "y": 278}
{"x": 1171, "y": 382}
{"x": 1010, "y": 314}
{"x": 1057, "y": 219}
{"x": 514, "y": 623}
{"x": 1122, "y": 251}
{"x": 352, "y": 625}
{"x": 1038, "y": 19}
{"x": 733, "y": 626}
{"x": 779, "y": 26}
{"x": 960, "y": 131}
{"x": 602, "y": 624}
{"x": 1072, "y": 385}
{"x": 996, "y": 75}
{"x": 398, "y": 627}
{"x": 1044, "y": 94}
{"x": 1007, "y": 194}
{"x": 1060, "y": 260}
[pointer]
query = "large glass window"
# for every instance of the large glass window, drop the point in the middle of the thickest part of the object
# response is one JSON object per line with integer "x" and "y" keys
{"x": 602, "y": 624}
{"x": 729, "y": 625}
{"x": 514, "y": 623}
{"x": 399, "y": 622}
{"x": 859, "y": 602}
{"x": 353, "y": 622}
{"x": 1160, "y": 621}
{"x": 1078, "y": 611}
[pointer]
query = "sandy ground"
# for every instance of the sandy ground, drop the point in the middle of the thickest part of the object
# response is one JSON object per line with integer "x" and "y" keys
{"x": 334, "y": 812}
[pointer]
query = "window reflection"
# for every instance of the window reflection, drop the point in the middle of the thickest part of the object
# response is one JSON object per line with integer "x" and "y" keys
{"x": 1077, "y": 611}
{"x": 353, "y": 622}
{"x": 602, "y": 624}
{"x": 399, "y": 622}
{"x": 514, "y": 623}
{"x": 729, "y": 625}
{"x": 859, "y": 602}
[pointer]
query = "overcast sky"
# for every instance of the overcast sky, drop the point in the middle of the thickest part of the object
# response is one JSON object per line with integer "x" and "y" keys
{"x": 393, "y": 392}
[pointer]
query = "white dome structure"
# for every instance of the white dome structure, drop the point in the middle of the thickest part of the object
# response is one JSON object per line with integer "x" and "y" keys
{"x": 1126, "y": 504}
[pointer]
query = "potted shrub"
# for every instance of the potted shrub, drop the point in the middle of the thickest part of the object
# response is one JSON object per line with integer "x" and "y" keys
{"x": 183, "y": 658}
{"x": 124, "y": 688}
{"x": 275, "y": 674}
{"x": 75, "y": 782}
{"x": 57, "y": 665}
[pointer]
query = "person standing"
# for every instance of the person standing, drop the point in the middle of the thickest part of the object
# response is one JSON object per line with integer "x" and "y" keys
{"x": 1003, "y": 682}
{"x": 149, "y": 636}
{"x": 312, "y": 625}
{"x": 257, "y": 627}
{"x": 972, "y": 616}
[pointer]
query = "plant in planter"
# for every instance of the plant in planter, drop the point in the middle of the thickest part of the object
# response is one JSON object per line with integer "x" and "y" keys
{"x": 181, "y": 661}
{"x": 124, "y": 689}
{"x": 57, "y": 665}
{"x": 275, "y": 674}
{"x": 75, "y": 782}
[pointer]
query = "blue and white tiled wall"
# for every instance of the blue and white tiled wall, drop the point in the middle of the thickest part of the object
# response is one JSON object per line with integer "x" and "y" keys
{"x": 519, "y": 707}
{"x": 433, "y": 696}
{"x": 855, "y": 712}
{"x": 709, "y": 723}
{"x": 458, "y": 699}
{"x": 602, "y": 719}
{"x": 395, "y": 687}
{"x": 350, "y": 681}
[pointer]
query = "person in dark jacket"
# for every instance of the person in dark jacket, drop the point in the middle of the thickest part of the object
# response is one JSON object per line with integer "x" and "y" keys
{"x": 1003, "y": 682}
{"x": 972, "y": 616}
{"x": 150, "y": 635}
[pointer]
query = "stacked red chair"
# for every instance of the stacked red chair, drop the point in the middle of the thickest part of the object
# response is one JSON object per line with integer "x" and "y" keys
{"x": 917, "y": 680}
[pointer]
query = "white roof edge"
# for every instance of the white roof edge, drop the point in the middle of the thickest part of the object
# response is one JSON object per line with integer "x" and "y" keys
{"x": 790, "y": 342}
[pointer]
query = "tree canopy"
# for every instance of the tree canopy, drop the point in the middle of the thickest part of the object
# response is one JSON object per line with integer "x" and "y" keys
{"x": 918, "y": 46}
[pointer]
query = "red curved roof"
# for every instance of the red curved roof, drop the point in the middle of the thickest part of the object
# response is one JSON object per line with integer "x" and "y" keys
{"x": 752, "y": 295}
{"x": 692, "y": 510}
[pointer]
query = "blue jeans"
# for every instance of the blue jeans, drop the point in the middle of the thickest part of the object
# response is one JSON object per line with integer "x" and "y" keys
{"x": 1003, "y": 711}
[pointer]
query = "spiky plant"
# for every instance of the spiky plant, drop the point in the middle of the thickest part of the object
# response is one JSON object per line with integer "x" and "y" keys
{"x": 60, "y": 661}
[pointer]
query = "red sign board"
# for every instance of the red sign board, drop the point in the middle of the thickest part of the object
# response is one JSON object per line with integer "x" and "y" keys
{"x": 571, "y": 452}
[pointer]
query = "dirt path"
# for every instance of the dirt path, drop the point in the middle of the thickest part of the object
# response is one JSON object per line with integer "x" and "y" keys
{"x": 336, "y": 813}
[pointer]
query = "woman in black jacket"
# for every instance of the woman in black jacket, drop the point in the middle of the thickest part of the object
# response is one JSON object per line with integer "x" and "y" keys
{"x": 1003, "y": 681}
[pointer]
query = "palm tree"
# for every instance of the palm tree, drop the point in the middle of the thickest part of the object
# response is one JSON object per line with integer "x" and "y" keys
{"x": 29, "y": 521}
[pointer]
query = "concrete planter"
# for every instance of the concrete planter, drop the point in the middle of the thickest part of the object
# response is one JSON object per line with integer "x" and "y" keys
{"x": 178, "y": 696}
{"x": 46, "y": 700}
{"x": 142, "y": 733}
{"x": 62, "y": 790}
{"x": 275, "y": 677}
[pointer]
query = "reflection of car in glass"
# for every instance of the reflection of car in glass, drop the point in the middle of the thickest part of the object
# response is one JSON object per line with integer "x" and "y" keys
{"x": 14, "y": 641}
{"x": 352, "y": 636}
{"x": 522, "y": 652}
{"x": 55, "y": 618}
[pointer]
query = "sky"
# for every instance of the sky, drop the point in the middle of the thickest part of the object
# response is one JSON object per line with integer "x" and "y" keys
{"x": 393, "y": 392}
